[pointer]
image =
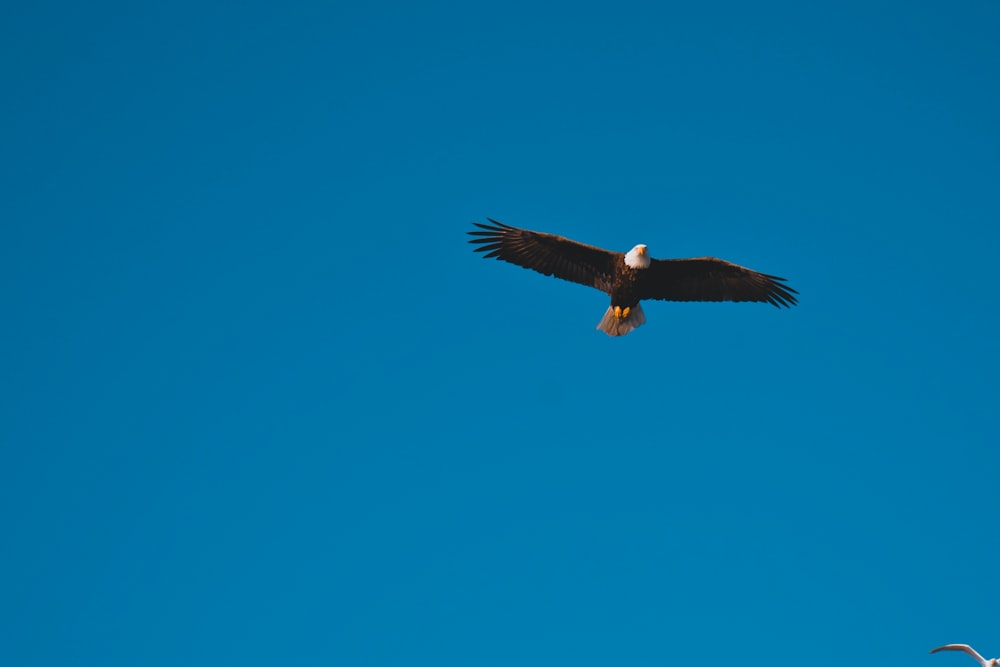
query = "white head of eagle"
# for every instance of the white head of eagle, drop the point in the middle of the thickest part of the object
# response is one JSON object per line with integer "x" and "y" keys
{"x": 637, "y": 257}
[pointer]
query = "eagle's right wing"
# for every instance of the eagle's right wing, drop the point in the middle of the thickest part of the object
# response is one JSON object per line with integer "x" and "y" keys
{"x": 548, "y": 254}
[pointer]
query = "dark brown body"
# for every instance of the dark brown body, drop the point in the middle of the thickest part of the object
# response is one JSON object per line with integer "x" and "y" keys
{"x": 625, "y": 287}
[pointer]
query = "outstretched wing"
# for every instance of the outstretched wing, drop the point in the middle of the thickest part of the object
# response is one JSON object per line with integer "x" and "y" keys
{"x": 547, "y": 253}
{"x": 711, "y": 279}
{"x": 965, "y": 648}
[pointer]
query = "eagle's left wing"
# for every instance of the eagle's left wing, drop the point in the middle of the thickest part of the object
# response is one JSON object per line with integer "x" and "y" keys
{"x": 712, "y": 279}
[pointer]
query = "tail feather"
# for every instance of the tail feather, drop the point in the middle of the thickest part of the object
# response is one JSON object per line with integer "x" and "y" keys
{"x": 615, "y": 325}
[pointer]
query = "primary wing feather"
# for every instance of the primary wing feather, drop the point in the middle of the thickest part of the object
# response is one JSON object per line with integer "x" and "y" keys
{"x": 547, "y": 253}
{"x": 712, "y": 279}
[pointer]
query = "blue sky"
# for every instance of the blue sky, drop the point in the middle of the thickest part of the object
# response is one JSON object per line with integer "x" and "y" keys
{"x": 262, "y": 404}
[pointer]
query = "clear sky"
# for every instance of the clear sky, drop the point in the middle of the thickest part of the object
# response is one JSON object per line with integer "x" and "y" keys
{"x": 261, "y": 404}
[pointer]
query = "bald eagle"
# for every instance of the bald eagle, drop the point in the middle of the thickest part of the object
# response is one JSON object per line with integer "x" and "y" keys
{"x": 631, "y": 276}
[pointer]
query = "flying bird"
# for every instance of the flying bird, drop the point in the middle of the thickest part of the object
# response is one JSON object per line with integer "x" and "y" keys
{"x": 965, "y": 648}
{"x": 629, "y": 277}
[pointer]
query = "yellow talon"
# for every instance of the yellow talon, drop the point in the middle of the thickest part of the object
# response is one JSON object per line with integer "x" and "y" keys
{"x": 618, "y": 312}
{"x": 625, "y": 312}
